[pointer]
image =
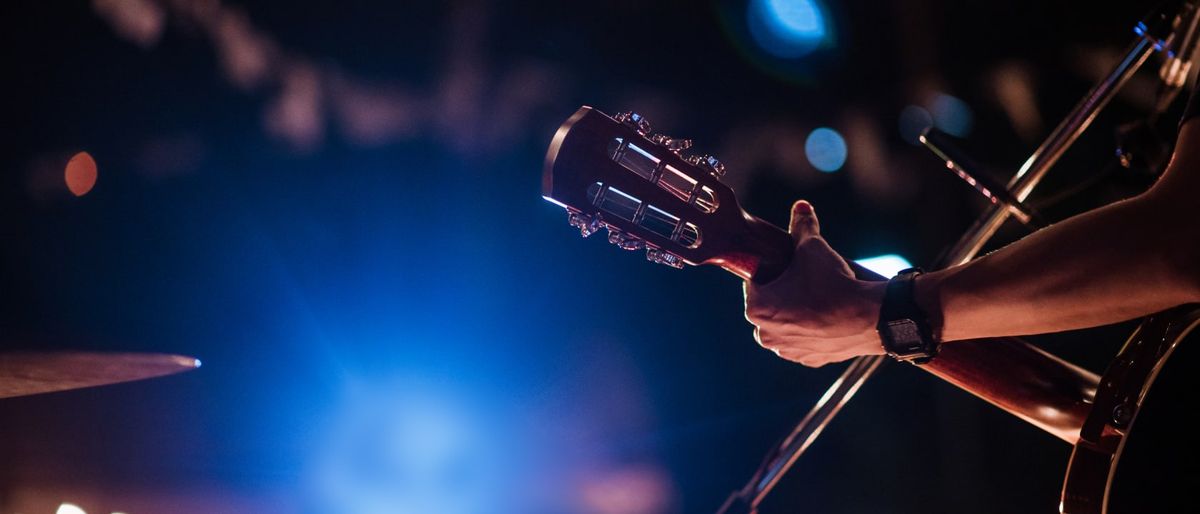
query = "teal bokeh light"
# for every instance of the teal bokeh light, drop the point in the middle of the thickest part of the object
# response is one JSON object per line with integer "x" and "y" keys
{"x": 886, "y": 265}
{"x": 825, "y": 149}
{"x": 787, "y": 29}
{"x": 952, "y": 115}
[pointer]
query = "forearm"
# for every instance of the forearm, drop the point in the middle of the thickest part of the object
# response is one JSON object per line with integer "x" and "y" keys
{"x": 1105, "y": 266}
{"x": 1120, "y": 262}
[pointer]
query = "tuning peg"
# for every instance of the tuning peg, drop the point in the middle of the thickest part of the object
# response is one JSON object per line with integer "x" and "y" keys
{"x": 663, "y": 257}
{"x": 624, "y": 241}
{"x": 635, "y": 120}
{"x": 712, "y": 164}
{"x": 670, "y": 143}
{"x": 587, "y": 225}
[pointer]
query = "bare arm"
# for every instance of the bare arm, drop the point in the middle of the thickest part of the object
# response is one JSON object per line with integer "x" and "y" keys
{"x": 1112, "y": 264}
{"x": 1125, "y": 260}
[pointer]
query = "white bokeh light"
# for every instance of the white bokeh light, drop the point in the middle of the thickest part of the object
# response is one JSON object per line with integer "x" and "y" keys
{"x": 69, "y": 508}
{"x": 887, "y": 265}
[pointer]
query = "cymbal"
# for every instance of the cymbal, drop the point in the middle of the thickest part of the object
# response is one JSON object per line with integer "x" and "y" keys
{"x": 26, "y": 373}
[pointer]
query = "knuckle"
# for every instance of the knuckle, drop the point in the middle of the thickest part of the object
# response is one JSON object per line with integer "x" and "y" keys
{"x": 759, "y": 313}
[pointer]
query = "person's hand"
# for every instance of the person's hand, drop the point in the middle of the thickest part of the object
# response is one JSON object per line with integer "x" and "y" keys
{"x": 816, "y": 312}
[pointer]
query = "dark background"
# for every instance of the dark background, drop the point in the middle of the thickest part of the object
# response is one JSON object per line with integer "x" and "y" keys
{"x": 348, "y": 232}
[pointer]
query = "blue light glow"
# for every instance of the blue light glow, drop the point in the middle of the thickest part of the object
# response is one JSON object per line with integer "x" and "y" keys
{"x": 952, "y": 115}
{"x": 914, "y": 120}
{"x": 787, "y": 28}
{"x": 826, "y": 149}
{"x": 408, "y": 447}
{"x": 887, "y": 265}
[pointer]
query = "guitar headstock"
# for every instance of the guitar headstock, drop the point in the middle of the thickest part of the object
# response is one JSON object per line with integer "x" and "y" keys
{"x": 612, "y": 173}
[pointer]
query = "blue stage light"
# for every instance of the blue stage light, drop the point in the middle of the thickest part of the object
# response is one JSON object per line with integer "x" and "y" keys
{"x": 409, "y": 447}
{"x": 952, "y": 115}
{"x": 914, "y": 120}
{"x": 887, "y": 265}
{"x": 787, "y": 28}
{"x": 826, "y": 149}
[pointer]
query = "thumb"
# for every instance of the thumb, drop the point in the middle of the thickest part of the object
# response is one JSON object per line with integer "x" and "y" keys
{"x": 804, "y": 224}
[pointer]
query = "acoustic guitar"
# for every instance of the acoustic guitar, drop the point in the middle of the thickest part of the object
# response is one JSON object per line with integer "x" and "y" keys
{"x": 611, "y": 173}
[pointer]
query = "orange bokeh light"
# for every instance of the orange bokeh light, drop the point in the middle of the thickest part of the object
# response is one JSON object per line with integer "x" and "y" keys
{"x": 80, "y": 174}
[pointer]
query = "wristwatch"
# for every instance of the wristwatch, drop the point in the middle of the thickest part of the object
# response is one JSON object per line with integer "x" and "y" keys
{"x": 905, "y": 330}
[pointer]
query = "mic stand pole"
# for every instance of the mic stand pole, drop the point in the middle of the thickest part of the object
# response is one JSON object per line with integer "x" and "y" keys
{"x": 1155, "y": 33}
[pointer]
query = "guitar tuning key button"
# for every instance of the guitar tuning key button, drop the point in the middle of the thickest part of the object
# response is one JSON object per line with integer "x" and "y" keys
{"x": 631, "y": 244}
{"x": 670, "y": 143}
{"x": 708, "y": 162}
{"x": 663, "y": 257}
{"x": 624, "y": 241}
{"x": 587, "y": 225}
{"x": 636, "y": 121}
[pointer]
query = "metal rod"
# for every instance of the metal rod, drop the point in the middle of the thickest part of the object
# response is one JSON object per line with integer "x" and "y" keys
{"x": 1021, "y": 185}
{"x": 1035, "y": 168}
{"x": 806, "y": 431}
{"x": 996, "y": 193}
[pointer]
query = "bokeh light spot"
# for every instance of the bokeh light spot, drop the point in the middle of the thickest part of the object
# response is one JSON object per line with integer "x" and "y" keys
{"x": 69, "y": 508}
{"x": 952, "y": 115}
{"x": 80, "y": 174}
{"x": 914, "y": 120}
{"x": 630, "y": 490}
{"x": 787, "y": 28}
{"x": 826, "y": 149}
{"x": 887, "y": 265}
{"x": 408, "y": 447}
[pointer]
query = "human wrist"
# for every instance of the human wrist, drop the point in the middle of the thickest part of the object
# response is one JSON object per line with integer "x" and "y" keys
{"x": 871, "y": 293}
{"x": 927, "y": 289}
{"x": 870, "y": 300}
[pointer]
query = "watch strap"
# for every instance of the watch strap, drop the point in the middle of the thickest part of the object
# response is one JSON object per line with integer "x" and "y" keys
{"x": 904, "y": 329}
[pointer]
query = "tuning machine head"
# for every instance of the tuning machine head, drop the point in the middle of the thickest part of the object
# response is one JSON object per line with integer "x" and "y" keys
{"x": 708, "y": 162}
{"x": 624, "y": 241}
{"x": 670, "y": 143}
{"x": 634, "y": 120}
{"x": 587, "y": 225}
{"x": 664, "y": 257}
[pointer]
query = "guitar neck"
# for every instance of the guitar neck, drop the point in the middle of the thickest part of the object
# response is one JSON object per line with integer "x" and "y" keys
{"x": 1009, "y": 373}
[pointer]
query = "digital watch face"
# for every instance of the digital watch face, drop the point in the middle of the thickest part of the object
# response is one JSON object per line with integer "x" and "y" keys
{"x": 904, "y": 338}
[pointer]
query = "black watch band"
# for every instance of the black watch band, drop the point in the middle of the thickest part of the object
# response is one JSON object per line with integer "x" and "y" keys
{"x": 903, "y": 327}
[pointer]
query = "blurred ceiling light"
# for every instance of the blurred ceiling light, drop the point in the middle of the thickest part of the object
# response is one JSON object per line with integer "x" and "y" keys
{"x": 373, "y": 115}
{"x": 787, "y": 28}
{"x": 914, "y": 119}
{"x": 631, "y": 490}
{"x": 246, "y": 55}
{"x": 887, "y": 265}
{"x": 80, "y": 174}
{"x": 297, "y": 114}
{"x": 825, "y": 149}
{"x": 879, "y": 177}
{"x": 140, "y": 21}
{"x": 1013, "y": 86}
{"x": 69, "y": 508}
{"x": 952, "y": 115}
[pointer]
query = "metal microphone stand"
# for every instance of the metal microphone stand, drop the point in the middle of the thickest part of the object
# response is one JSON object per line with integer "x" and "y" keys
{"x": 1172, "y": 29}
